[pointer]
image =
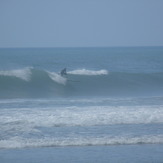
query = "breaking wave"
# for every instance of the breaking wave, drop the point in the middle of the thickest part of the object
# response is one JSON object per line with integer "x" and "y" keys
{"x": 31, "y": 82}
{"x": 24, "y": 74}
{"x": 79, "y": 126}
{"x": 88, "y": 72}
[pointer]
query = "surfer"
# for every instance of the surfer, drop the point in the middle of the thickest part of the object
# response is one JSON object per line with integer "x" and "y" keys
{"x": 63, "y": 72}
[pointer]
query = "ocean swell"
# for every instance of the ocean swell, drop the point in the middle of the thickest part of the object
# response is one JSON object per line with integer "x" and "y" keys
{"x": 31, "y": 82}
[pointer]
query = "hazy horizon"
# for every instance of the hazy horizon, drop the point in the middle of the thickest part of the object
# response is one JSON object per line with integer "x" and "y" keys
{"x": 87, "y": 23}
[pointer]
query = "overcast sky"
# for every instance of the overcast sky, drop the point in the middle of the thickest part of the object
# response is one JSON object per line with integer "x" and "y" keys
{"x": 81, "y": 23}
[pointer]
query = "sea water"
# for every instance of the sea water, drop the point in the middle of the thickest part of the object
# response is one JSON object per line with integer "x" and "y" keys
{"x": 109, "y": 97}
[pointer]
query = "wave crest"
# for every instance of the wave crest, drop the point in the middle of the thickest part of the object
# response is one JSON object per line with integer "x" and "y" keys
{"x": 24, "y": 74}
{"x": 88, "y": 72}
{"x": 57, "y": 78}
{"x": 80, "y": 82}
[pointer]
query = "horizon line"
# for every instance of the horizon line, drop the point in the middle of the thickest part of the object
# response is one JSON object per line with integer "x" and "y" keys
{"x": 66, "y": 47}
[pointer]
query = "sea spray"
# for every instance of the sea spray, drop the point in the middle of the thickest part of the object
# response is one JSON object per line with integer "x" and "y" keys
{"x": 24, "y": 74}
{"x": 88, "y": 72}
{"x": 57, "y": 78}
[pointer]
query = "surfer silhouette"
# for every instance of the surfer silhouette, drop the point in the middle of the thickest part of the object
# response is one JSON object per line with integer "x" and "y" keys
{"x": 63, "y": 72}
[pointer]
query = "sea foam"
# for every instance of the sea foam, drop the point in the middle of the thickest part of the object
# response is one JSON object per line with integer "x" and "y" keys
{"x": 88, "y": 72}
{"x": 57, "y": 78}
{"x": 24, "y": 74}
{"x": 18, "y": 142}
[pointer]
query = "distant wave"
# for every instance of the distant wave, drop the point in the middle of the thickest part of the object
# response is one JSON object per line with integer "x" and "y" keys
{"x": 33, "y": 82}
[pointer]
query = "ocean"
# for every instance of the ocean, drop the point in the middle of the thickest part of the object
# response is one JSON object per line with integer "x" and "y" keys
{"x": 107, "y": 108}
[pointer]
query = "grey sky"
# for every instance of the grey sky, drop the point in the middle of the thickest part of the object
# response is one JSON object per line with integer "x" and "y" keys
{"x": 81, "y": 23}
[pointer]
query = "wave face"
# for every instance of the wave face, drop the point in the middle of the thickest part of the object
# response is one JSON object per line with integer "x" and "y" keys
{"x": 30, "y": 82}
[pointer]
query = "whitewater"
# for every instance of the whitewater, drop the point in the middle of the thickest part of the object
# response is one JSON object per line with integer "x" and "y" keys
{"x": 109, "y": 97}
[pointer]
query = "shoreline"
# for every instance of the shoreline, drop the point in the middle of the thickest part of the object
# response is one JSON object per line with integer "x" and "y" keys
{"x": 85, "y": 154}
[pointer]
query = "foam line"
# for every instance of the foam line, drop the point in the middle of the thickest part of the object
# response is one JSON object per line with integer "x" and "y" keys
{"x": 83, "y": 116}
{"x": 18, "y": 142}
